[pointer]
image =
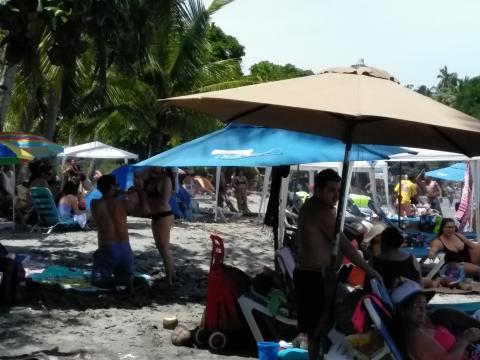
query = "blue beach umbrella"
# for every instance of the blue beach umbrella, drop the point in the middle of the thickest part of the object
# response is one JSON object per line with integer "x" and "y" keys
{"x": 249, "y": 145}
{"x": 455, "y": 172}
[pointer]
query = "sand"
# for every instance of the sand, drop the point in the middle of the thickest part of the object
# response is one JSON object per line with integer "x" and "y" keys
{"x": 122, "y": 326}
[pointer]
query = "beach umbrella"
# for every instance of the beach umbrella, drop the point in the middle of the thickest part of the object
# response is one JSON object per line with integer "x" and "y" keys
{"x": 455, "y": 172}
{"x": 36, "y": 145}
{"x": 11, "y": 154}
{"x": 357, "y": 104}
{"x": 248, "y": 145}
{"x": 360, "y": 105}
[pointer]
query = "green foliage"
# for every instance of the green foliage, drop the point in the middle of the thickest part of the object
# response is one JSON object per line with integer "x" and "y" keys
{"x": 267, "y": 71}
{"x": 95, "y": 68}
{"x": 468, "y": 97}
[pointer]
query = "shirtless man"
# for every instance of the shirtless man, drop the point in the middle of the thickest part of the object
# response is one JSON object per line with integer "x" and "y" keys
{"x": 113, "y": 260}
{"x": 434, "y": 193}
{"x": 315, "y": 236}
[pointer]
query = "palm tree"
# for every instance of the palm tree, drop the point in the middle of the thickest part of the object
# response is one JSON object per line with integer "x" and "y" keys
{"x": 177, "y": 63}
{"x": 447, "y": 80}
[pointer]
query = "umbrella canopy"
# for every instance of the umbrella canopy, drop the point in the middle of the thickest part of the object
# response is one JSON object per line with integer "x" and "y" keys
{"x": 97, "y": 150}
{"x": 248, "y": 145}
{"x": 38, "y": 146}
{"x": 10, "y": 154}
{"x": 359, "y": 104}
{"x": 428, "y": 155}
{"x": 455, "y": 172}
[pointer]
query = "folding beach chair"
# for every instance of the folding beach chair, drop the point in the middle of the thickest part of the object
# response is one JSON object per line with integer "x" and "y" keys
{"x": 263, "y": 325}
{"x": 390, "y": 347}
{"x": 48, "y": 216}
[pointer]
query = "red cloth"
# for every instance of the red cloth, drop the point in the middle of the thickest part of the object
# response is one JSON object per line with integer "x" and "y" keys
{"x": 358, "y": 318}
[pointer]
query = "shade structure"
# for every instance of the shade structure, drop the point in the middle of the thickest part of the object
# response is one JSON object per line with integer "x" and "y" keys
{"x": 358, "y": 104}
{"x": 97, "y": 150}
{"x": 455, "y": 172}
{"x": 10, "y": 154}
{"x": 422, "y": 155}
{"x": 248, "y": 145}
{"x": 38, "y": 146}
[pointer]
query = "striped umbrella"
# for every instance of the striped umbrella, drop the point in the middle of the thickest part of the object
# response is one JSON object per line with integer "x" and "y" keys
{"x": 38, "y": 146}
{"x": 11, "y": 154}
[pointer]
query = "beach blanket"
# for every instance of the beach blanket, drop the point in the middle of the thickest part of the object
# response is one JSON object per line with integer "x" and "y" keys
{"x": 67, "y": 278}
{"x": 73, "y": 278}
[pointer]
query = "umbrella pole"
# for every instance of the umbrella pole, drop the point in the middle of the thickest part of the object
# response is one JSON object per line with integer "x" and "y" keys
{"x": 331, "y": 273}
{"x": 13, "y": 197}
{"x": 399, "y": 198}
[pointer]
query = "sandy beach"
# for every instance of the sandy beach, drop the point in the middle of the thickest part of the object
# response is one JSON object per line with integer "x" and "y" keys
{"x": 119, "y": 325}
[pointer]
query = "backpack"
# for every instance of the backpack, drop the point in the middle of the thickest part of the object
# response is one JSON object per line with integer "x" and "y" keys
{"x": 11, "y": 275}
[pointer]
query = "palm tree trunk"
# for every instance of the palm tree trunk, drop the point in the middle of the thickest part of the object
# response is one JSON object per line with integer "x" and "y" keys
{"x": 71, "y": 136}
{"x": 6, "y": 89}
{"x": 29, "y": 110}
{"x": 53, "y": 108}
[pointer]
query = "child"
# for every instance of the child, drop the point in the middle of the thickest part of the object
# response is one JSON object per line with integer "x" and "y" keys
{"x": 452, "y": 274}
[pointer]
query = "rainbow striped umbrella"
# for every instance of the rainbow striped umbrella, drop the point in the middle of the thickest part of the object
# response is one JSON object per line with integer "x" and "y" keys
{"x": 37, "y": 146}
{"x": 11, "y": 154}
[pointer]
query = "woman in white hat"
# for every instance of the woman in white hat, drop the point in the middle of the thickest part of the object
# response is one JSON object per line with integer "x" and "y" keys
{"x": 422, "y": 339}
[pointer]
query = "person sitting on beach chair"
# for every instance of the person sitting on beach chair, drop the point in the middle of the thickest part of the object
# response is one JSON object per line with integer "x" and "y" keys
{"x": 452, "y": 274}
{"x": 113, "y": 260}
{"x": 447, "y": 334}
{"x": 463, "y": 250}
{"x": 393, "y": 262}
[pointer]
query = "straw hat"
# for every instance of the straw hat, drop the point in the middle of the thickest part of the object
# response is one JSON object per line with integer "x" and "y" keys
{"x": 375, "y": 230}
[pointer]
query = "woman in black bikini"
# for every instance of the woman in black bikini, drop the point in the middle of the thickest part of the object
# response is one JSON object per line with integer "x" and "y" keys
{"x": 159, "y": 186}
{"x": 449, "y": 241}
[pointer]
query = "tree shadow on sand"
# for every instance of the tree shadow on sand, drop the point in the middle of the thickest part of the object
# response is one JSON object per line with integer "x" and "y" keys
{"x": 190, "y": 287}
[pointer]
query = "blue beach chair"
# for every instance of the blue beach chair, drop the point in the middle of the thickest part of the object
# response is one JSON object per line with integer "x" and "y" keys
{"x": 48, "y": 216}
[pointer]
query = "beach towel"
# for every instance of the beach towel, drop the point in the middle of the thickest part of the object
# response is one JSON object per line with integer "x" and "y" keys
{"x": 463, "y": 212}
{"x": 73, "y": 278}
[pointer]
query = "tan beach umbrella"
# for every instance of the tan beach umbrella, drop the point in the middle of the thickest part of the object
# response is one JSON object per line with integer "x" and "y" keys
{"x": 363, "y": 105}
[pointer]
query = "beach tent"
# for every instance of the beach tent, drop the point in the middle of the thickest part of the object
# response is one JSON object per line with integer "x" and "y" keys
{"x": 249, "y": 145}
{"x": 455, "y": 172}
{"x": 96, "y": 150}
{"x": 421, "y": 155}
{"x": 374, "y": 169}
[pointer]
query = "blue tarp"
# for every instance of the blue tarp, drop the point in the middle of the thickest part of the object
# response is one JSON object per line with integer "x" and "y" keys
{"x": 455, "y": 172}
{"x": 248, "y": 145}
{"x": 124, "y": 176}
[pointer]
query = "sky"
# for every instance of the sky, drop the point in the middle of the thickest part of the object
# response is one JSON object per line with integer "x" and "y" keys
{"x": 411, "y": 39}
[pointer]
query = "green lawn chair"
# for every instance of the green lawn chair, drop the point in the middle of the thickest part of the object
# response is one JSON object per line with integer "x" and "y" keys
{"x": 48, "y": 216}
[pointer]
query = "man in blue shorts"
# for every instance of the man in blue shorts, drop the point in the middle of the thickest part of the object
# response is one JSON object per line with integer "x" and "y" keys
{"x": 113, "y": 260}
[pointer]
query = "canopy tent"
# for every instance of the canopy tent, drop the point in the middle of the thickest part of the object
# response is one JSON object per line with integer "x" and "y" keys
{"x": 97, "y": 150}
{"x": 373, "y": 168}
{"x": 248, "y": 145}
{"x": 418, "y": 154}
{"x": 455, "y": 172}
